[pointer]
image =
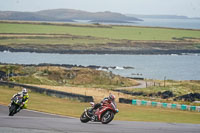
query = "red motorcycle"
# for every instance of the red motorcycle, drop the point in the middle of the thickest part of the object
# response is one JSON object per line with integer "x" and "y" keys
{"x": 103, "y": 114}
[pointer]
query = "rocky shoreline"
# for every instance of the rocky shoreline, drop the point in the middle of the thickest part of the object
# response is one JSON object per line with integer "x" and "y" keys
{"x": 85, "y": 51}
{"x": 71, "y": 66}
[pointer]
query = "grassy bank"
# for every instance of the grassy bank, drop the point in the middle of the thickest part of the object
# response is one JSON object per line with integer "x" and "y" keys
{"x": 168, "y": 91}
{"x": 116, "y": 32}
{"x": 41, "y": 102}
{"x": 63, "y": 76}
{"x": 61, "y": 38}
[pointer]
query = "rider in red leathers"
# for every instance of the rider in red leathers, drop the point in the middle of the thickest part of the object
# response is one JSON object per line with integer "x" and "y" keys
{"x": 105, "y": 100}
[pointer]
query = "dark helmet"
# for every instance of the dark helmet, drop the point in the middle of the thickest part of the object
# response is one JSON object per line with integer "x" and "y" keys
{"x": 112, "y": 97}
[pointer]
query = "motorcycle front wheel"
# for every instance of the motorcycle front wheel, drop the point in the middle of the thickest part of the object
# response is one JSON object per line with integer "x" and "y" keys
{"x": 107, "y": 117}
{"x": 12, "y": 110}
{"x": 84, "y": 118}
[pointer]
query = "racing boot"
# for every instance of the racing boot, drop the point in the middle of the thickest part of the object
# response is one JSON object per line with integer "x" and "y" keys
{"x": 9, "y": 105}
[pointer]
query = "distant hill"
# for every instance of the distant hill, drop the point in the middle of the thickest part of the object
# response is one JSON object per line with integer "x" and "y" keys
{"x": 66, "y": 15}
{"x": 29, "y": 16}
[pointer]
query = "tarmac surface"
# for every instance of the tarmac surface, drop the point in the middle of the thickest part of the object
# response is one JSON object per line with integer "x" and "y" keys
{"x": 27, "y": 121}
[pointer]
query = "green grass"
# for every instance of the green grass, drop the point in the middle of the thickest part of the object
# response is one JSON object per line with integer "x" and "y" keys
{"x": 55, "y": 41}
{"x": 154, "y": 114}
{"x": 41, "y": 102}
{"x": 178, "y": 88}
{"x": 116, "y": 32}
{"x": 197, "y": 45}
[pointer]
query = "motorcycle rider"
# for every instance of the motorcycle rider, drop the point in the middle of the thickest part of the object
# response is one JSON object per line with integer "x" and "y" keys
{"x": 24, "y": 95}
{"x": 108, "y": 99}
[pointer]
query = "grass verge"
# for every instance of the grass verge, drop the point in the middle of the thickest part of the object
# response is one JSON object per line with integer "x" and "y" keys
{"x": 116, "y": 32}
{"x": 41, "y": 102}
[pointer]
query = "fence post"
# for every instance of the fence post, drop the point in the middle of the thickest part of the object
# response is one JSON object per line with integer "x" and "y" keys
{"x": 164, "y": 80}
{"x": 146, "y": 84}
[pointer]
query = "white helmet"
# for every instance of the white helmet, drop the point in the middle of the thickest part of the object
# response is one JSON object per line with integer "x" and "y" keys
{"x": 24, "y": 91}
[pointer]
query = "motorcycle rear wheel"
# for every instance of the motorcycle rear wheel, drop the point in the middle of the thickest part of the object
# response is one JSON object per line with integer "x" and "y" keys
{"x": 84, "y": 118}
{"x": 107, "y": 117}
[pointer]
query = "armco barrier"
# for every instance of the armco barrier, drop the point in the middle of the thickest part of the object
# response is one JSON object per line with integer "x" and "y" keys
{"x": 192, "y": 108}
{"x": 173, "y": 106}
{"x": 49, "y": 92}
{"x": 158, "y": 104}
{"x": 183, "y": 107}
{"x": 134, "y": 102}
{"x": 198, "y": 108}
{"x": 123, "y": 100}
{"x": 164, "y": 105}
{"x": 144, "y": 103}
{"x": 154, "y": 104}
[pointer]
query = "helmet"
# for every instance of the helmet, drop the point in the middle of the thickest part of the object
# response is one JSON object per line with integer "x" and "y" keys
{"x": 112, "y": 97}
{"x": 24, "y": 91}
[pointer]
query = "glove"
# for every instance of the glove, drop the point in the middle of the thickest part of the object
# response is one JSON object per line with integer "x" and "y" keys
{"x": 22, "y": 104}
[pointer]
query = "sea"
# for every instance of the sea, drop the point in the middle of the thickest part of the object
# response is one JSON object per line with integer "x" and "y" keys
{"x": 155, "y": 22}
{"x": 172, "y": 67}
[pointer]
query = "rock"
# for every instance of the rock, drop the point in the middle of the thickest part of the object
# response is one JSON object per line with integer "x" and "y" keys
{"x": 128, "y": 67}
{"x": 188, "y": 97}
{"x": 166, "y": 94}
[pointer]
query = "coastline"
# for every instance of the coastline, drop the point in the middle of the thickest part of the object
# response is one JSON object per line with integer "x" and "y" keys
{"x": 174, "y": 67}
{"x": 88, "y": 51}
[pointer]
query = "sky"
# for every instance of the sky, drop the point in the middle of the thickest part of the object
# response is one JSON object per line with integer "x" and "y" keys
{"x": 190, "y": 8}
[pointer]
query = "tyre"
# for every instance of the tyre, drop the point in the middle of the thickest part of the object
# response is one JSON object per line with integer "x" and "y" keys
{"x": 12, "y": 110}
{"x": 107, "y": 117}
{"x": 84, "y": 118}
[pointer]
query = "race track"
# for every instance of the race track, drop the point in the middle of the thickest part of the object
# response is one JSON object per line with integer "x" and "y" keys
{"x": 35, "y": 122}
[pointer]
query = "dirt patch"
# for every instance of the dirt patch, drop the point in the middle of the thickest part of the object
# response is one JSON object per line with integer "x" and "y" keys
{"x": 97, "y": 93}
